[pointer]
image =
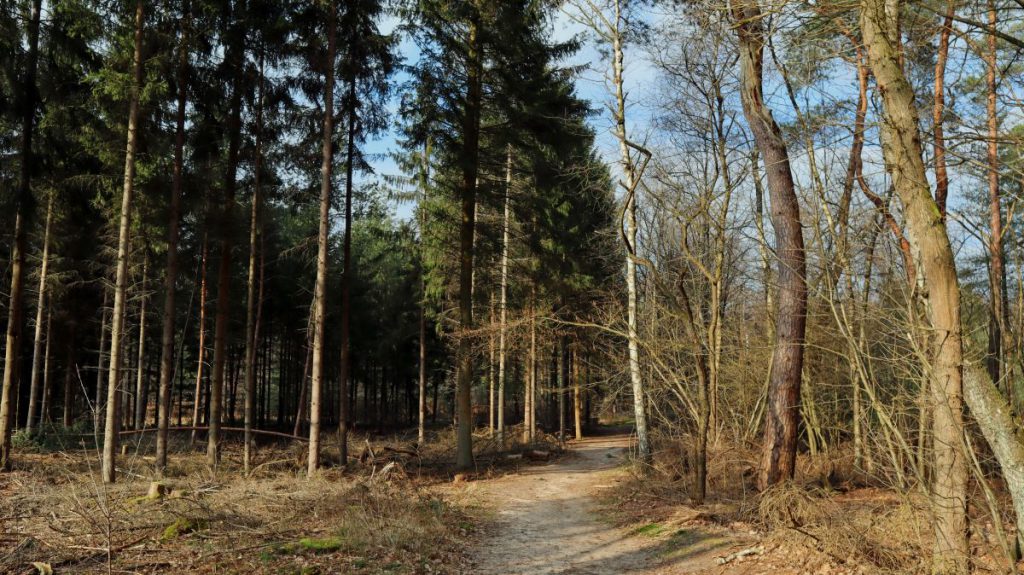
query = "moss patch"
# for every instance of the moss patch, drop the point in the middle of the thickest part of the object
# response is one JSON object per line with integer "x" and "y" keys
{"x": 650, "y": 530}
{"x": 182, "y": 526}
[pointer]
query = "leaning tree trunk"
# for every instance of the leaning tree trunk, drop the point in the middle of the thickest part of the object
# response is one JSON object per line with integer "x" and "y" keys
{"x": 37, "y": 344}
{"x": 320, "y": 288}
{"x": 9, "y": 394}
{"x": 470, "y": 160}
{"x": 901, "y": 138}
{"x": 111, "y": 427}
{"x": 173, "y": 235}
{"x": 783, "y": 415}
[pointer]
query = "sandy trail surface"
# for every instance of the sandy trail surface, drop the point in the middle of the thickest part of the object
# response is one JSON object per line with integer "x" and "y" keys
{"x": 547, "y": 521}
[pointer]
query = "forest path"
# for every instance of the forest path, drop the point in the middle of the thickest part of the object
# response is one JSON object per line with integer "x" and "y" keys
{"x": 547, "y": 522}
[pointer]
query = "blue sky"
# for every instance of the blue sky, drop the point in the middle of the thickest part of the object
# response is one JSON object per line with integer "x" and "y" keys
{"x": 590, "y": 85}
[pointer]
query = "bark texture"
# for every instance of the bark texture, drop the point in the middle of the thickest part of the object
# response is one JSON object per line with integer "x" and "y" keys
{"x": 782, "y": 419}
{"x": 320, "y": 289}
{"x": 112, "y": 422}
{"x": 901, "y": 146}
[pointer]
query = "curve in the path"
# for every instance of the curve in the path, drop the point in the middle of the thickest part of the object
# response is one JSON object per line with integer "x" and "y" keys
{"x": 547, "y": 520}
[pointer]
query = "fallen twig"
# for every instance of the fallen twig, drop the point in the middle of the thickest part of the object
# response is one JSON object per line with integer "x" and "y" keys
{"x": 741, "y": 553}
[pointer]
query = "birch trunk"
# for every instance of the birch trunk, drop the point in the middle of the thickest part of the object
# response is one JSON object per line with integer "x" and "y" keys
{"x": 628, "y": 167}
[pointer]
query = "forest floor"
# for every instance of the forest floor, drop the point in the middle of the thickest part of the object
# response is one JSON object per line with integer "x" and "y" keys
{"x": 397, "y": 511}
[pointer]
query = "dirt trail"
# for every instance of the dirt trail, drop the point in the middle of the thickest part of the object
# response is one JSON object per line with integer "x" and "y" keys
{"x": 547, "y": 522}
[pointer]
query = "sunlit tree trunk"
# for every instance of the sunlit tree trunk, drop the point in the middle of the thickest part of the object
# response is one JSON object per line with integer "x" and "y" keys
{"x": 901, "y": 140}
{"x": 503, "y": 300}
{"x": 201, "y": 344}
{"x": 632, "y": 176}
{"x": 47, "y": 391}
{"x": 141, "y": 378}
{"x": 577, "y": 396}
{"x": 111, "y": 427}
{"x": 939, "y": 109}
{"x": 320, "y": 289}
{"x": 997, "y": 274}
{"x": 41, "y": 309}
{"x": 421, "y": 429}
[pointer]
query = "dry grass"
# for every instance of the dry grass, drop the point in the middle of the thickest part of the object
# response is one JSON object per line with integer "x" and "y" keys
{"x": 833, "y": 518}
{"x": 384, "y": 513}
{"x": 54, "y": 510}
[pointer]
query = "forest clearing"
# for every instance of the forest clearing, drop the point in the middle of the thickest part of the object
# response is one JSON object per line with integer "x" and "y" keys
{"x": 512, "y": 286}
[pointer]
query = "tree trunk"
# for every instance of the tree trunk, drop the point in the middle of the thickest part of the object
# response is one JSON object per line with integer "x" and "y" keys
{"x": 111, "y": 427}
{"x": 562, "y": 385}
{"x": 783, "y": 414}
{"x": 503, "y": 303}
{"x": 994, "y": 416}
{"x": 346, "y": 280}
{"x": 37, "y": 345}
{"x": 577, "y": 397}
{"x": 320, "y": 289}
{"x": 303, "y": 387}
{"x": 173, "y": 235}
{"x": 201, "y": 351}
{"x": 424, "y": 184}
{"x": 235, "y": 56}
{"x": 491, "y": 373}
{"x": 470, "y": 157}
{"x": 141, "y": 379}
{"x": 997, "y": 273}
{"x": 69, "y": 384}
{"x": 250, "y": 306}
{"x": 632, "y": 177}
{"x": 100, "y": 401}
{"x": 11, "y": 381}
{"x": 939, "y": 110}
{"x": 47, "y": 391}
{"x": 901, "y": 139}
